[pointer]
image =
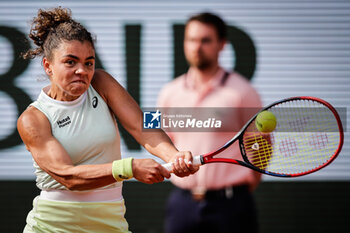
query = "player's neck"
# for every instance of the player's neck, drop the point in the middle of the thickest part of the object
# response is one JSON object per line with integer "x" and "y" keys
{"x": 58, "y": 93}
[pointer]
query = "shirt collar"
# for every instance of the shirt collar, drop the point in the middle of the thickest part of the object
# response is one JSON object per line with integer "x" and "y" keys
{"x": 190, "y": 79}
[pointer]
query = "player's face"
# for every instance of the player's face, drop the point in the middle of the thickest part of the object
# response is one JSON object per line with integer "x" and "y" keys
{"x": 72, "y": 68}
{"x": 202, "y": 45}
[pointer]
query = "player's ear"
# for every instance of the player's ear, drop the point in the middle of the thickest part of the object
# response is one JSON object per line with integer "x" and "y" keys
{"x": 47, "y": 66}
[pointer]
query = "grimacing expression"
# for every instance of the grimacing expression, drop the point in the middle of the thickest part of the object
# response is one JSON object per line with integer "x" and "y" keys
{"x": 71, "y": 68}
{"x": 202, "y": 44}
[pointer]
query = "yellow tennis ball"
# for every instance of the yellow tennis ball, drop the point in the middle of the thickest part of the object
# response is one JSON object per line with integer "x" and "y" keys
{"x": 265, "y": 122}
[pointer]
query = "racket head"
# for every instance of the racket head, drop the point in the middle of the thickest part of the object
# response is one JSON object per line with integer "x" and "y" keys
{"x": 308, "y": 136}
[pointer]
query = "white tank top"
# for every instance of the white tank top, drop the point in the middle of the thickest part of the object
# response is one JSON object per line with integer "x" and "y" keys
{"x": 86, "y": 129}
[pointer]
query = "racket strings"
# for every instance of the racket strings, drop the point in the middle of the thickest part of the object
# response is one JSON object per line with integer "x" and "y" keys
{"x": 306, "y": 137}
{"x": 259, "y": 149}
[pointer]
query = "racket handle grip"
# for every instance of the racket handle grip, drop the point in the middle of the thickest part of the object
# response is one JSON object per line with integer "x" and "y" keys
{"x": 196, "y": 161}
{"x": 168, "y": 166}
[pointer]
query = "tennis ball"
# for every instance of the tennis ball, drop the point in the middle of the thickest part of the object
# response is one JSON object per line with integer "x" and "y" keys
{"x": 265, "y": 122}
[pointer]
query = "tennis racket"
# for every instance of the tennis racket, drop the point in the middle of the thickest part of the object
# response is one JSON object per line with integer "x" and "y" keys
{"x": 308, "y": 136}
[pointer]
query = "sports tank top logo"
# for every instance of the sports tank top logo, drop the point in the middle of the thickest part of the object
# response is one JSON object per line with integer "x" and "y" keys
{"x": 94, "y": 102}
{"x": 64, "y": 122}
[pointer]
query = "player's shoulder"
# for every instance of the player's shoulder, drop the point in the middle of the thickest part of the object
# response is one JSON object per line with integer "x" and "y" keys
{"x": 31, "y": 115}
{"x": 104, "y": 83}
{"x": 101, "y": 78}
{"x": 32, "y": 121}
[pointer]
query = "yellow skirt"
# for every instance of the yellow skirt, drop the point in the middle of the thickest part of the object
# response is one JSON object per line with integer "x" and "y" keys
{"x": 73, "y": 217}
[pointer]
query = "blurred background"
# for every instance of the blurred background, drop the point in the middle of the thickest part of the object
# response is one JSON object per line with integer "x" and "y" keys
{"x": 285, "y": 48}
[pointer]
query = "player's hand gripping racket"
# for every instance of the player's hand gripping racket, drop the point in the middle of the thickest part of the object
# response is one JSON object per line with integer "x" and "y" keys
{"x": 308, "y": 136}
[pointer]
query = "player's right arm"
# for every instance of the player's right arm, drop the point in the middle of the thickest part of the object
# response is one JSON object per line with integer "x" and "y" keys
{"x": 35, "y": 131}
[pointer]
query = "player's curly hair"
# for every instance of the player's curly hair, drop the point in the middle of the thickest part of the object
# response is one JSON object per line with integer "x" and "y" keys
{"x": 51, "y": 27}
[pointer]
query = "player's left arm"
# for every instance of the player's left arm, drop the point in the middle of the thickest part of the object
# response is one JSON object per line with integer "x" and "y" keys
{"x": 130, "y": 116}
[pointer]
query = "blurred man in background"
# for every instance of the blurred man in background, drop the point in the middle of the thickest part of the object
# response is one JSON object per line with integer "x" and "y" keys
{"x": 218, "y": 198}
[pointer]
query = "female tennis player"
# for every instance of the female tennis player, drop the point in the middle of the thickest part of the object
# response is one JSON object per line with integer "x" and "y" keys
{"x": 71, "y": 132}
